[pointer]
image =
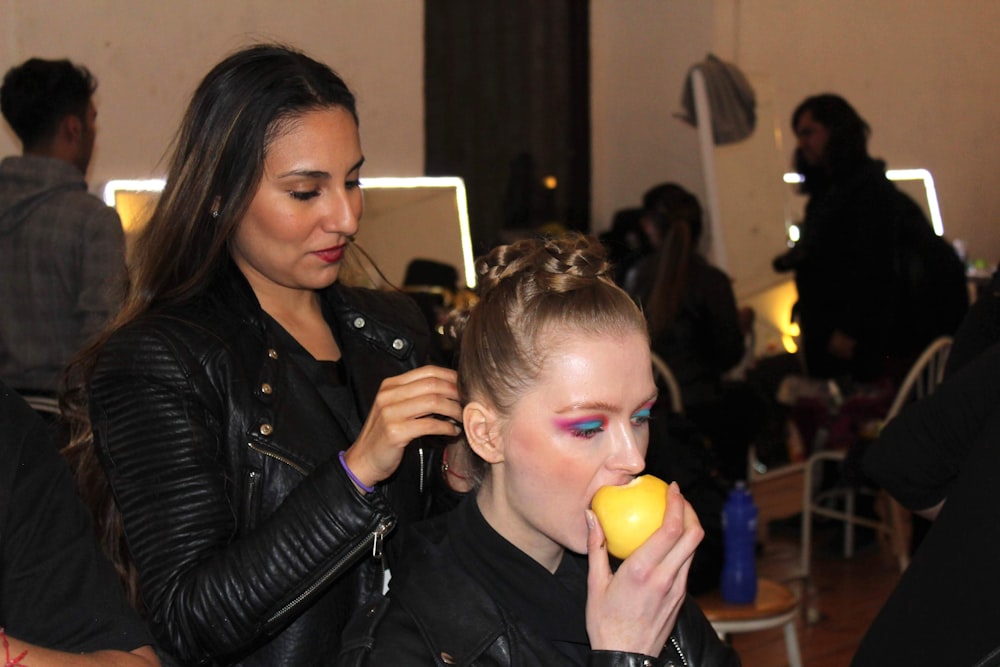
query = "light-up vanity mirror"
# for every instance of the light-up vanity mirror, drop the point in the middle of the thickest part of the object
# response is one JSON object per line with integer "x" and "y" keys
{"x": 404, "y": 219}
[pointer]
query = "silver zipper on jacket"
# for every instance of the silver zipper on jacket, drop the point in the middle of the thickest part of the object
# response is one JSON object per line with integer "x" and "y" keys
{"x": 378, "y": 537}
{"x": 375, "y": 539}
{"x": 278, "y": 457}
{"x": 253, "y": 477}
{"x": 420, "y": 452}
{"x": 680, "y": 653}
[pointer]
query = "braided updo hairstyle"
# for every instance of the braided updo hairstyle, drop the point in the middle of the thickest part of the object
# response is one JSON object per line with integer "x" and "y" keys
{"x": 526, "y": 289}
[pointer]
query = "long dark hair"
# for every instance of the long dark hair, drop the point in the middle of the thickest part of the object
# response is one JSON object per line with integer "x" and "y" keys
{"x": 678, "y": 217}
{"x": 847, "y": 147}
{"x": 217, "y": 162}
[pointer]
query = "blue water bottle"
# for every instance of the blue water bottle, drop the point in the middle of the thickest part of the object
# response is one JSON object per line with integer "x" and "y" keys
{"x": 739, "y": 568}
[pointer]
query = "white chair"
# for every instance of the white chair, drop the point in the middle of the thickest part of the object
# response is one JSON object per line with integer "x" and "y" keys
{"x": 665, "y": 379}
{"x": 779, "y": 493}
{"x": 922, "y": 379}
{"x": 776, "y": 605}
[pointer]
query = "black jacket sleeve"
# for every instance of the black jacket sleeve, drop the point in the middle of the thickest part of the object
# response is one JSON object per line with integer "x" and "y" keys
{"x": 211, "y": 590}
{"x": 920, "y": 453}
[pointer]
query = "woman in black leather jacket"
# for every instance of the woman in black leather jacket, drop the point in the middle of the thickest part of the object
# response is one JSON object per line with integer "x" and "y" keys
{"x": 556, "y": 380}
{"x": 252, "y": 415}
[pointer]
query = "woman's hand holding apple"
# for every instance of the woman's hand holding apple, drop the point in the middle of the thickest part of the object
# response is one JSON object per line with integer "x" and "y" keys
{"x": 635, "y": 608}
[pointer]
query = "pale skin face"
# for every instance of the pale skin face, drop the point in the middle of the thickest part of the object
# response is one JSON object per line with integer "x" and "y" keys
{"x": 308, "y": 204}
{"x": 812, "y": 137}
{"x": 583, "y": 425}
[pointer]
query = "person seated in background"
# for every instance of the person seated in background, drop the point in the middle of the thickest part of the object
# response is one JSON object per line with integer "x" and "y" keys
{"x": 556, "y": 383}
{"x": 61, "y": 603}
{"x": 695, "y": 326}
{"x": 62, "y": 259}
{"x": 875, "y": 284}
{"x": 940, "y": 457}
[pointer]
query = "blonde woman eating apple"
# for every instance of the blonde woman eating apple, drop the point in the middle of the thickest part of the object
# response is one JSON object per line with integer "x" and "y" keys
{"x": 556, "y": 383}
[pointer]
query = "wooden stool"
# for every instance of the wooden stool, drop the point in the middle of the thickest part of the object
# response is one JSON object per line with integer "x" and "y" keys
{"x": 776, "y": 604}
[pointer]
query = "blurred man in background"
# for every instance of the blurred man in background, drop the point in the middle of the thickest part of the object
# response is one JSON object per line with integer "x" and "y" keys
{"x": 62, "y": 250}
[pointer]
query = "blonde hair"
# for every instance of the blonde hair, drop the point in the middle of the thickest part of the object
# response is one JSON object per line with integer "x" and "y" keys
{"x": 526, "y": 289}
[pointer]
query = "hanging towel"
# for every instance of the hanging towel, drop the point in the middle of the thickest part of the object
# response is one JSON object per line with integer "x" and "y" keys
{"x": 730, "y": 97}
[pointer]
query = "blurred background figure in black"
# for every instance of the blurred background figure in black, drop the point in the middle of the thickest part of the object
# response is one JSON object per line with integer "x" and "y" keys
{"x": 695, "y": 326}
{"x": 627, "y": 244}
{"x": 875, "y": 284}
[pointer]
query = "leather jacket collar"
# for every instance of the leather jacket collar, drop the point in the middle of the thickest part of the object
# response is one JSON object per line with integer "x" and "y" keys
{"x": 436, "y": 610}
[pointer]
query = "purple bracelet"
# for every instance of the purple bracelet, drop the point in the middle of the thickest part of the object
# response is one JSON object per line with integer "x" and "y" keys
{"x": 364, "y": 487}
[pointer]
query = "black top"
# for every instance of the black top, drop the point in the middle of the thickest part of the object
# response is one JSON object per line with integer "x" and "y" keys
{"x": 329, "y": 378}
{"x": 464, "y": 595}
{"x": 705, "y": 339}
{"x": 843, "y": 272}
{"x": 552, "y": 605}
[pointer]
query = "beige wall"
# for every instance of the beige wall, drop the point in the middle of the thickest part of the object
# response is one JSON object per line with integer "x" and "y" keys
{"x": 149, "y": 56}
{"x": 640, "y": 53}
{"x": 922, "y": 73}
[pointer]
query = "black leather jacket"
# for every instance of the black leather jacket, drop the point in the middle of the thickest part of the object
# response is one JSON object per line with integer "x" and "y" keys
{"x": 437, "y": 614}
{"x": 253, "y": 546}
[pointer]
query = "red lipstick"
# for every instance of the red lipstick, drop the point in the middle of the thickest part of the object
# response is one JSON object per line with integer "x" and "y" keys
{"x": 331, "y": 255}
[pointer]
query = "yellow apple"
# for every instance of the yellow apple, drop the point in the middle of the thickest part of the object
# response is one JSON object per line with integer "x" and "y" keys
{"x": 630, "y": 513}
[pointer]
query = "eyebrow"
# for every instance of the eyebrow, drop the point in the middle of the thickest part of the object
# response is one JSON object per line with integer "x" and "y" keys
{"x": 318, "y": 173}
{"x": 606, "y": 407}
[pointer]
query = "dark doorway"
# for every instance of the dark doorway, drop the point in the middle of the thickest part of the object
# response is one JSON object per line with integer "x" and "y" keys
{"x": 508, "y": 109}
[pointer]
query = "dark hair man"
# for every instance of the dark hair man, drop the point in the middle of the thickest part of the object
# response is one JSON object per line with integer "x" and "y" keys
{"x": 62, "y": 250}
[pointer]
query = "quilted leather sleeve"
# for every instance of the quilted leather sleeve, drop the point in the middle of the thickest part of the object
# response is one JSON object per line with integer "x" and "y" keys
{"x": 210, "y": 592}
